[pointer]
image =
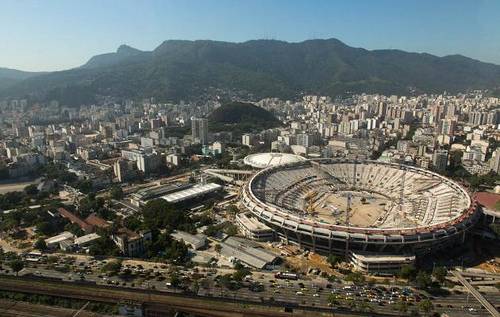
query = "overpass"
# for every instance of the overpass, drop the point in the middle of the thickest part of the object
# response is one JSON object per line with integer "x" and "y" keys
{"x": 237, "y": 177}
{"x": 491, "y": 309}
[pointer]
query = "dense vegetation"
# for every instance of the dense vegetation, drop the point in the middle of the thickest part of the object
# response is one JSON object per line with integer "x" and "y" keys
{"x": 47, "y": 300}
{"x": 9, "y": 77}
{"x": 240, "y": 117}
{"x": 161, "y": 219}
{"x": 265, "y": 68}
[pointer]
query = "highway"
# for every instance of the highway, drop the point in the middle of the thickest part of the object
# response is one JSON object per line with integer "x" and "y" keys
{"x": 313, "y": 294}
{"x": 476, "y": 294}
{"x": 156, "y": 301}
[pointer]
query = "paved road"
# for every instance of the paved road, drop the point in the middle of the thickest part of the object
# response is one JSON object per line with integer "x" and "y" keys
{"x": 314, "y": 293}
{"x": 476, "y": 294}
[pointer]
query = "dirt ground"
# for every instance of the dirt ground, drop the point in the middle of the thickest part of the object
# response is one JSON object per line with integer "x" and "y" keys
{"x": 332, "y": 208}
{"x": 16, "y": 186}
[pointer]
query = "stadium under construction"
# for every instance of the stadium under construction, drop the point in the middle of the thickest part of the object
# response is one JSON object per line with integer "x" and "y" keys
{"x": 363, "y": 209}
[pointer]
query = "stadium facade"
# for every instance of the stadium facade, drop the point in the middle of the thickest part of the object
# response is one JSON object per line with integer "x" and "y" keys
{"x": 417, "y": 211}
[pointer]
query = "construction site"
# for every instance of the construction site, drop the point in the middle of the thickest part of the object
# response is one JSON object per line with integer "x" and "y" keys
{"x": 342, "y": 206}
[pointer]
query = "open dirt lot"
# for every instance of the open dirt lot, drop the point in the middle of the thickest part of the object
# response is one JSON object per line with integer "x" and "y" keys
{"x": 366, "y": 208}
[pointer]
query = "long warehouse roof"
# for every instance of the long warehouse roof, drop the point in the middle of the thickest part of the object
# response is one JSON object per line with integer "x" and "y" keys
{"x": 195, "y": 191}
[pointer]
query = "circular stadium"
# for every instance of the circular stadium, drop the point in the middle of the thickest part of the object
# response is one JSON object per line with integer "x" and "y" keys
{"x": 335, "y": 206}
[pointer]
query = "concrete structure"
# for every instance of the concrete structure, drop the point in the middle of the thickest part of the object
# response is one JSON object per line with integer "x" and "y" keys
{"x": 194, "y": 241}
{"x": 146, "y": 160}
{"x": 55, "y": 241}
{"x": 253, "y": 228}
{"x": 440, "y": 160}
{"x": 380, "y": 264}
{"x": 87, "y": 239}
{"x": 246, "y": 252}
{"x": 422, "y": 211}
{"x": 142, "y": 196}
{"x": 199, "y": 130}
{"x": 131, "y": 243}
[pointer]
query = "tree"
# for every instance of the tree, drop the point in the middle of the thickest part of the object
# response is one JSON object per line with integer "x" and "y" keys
{"x": 177, "y": 252}
{"x": 40, "y": 244}
{"x": 333, "y": 260}
{"x": 426, "y": 306}
{"x": 196, "y": 287}
{"x": 31, "y": 190}
{"x": 85, "y": 186}
{"x": 231, "y": 229}
{"x": 241, "y": 272}
{"x": 232, "y": 209}
{"x": 439, "y": 273}
{"x": 402, "y": 307}
{"x": 116, "y": 192}
{"x": 332, "y": 300}
{"x": 112, "y": 267}
{"x": 175, "y": 279}
{"x": 355, "y": 277}
{"x": 408, "y": 272}
{"x": 104, "y": 246}
{"x": 423, "y": 280}
{"x": 159, "y": 214}
{"x": 16, "y": 265}
{"x": 218, "y": 248}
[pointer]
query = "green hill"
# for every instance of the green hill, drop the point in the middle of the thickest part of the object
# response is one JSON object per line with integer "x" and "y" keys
{"x": 9, "y": 77}
{"x": 241, "y": 117}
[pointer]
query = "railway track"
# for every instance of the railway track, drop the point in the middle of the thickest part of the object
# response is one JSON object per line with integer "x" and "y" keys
{"x": 21, "y": 309}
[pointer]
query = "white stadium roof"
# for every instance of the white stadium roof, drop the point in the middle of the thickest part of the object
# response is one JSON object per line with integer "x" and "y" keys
{"x": 263, "y": 160}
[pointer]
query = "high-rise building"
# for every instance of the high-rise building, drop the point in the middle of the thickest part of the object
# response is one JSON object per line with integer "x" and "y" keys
{"x": 248, "y": 139}
{"x": 448, "y": 126}
{"x": 440, "y": 160}
{"x": 199, "y": 130}
{"x": 305, "y": 140}
{"x": 148, "y": 162}
{"x": 495, "y": 161}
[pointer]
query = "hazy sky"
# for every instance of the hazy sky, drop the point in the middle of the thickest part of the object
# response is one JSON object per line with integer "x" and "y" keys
{"x": 60, "y": 34}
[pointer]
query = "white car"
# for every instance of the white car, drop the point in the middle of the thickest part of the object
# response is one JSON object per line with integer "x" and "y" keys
{"x": 316, "y": 295}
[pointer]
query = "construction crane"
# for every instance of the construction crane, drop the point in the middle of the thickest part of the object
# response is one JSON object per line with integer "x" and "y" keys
{"x": 348, "y": 209}
{"x": 402, "y": 192}
{"x": 354, "y": 176}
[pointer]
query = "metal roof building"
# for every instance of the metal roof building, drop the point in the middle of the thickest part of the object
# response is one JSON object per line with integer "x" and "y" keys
{"x": 86, "y": 239}
{"x": 195, "y": 241}
{"x": 247, "y": 252}
{"x": 190, "y": 193}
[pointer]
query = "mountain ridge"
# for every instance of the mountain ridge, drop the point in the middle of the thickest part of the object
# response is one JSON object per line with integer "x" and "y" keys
{"x": 180, "y": 69}
{"x": 10, "y": 76}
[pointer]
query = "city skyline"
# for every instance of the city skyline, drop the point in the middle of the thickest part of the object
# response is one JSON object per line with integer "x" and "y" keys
{"x": 57, "y": 35}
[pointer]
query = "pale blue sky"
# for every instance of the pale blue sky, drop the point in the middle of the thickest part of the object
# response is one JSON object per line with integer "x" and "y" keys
{"x": 60, "y": 34}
